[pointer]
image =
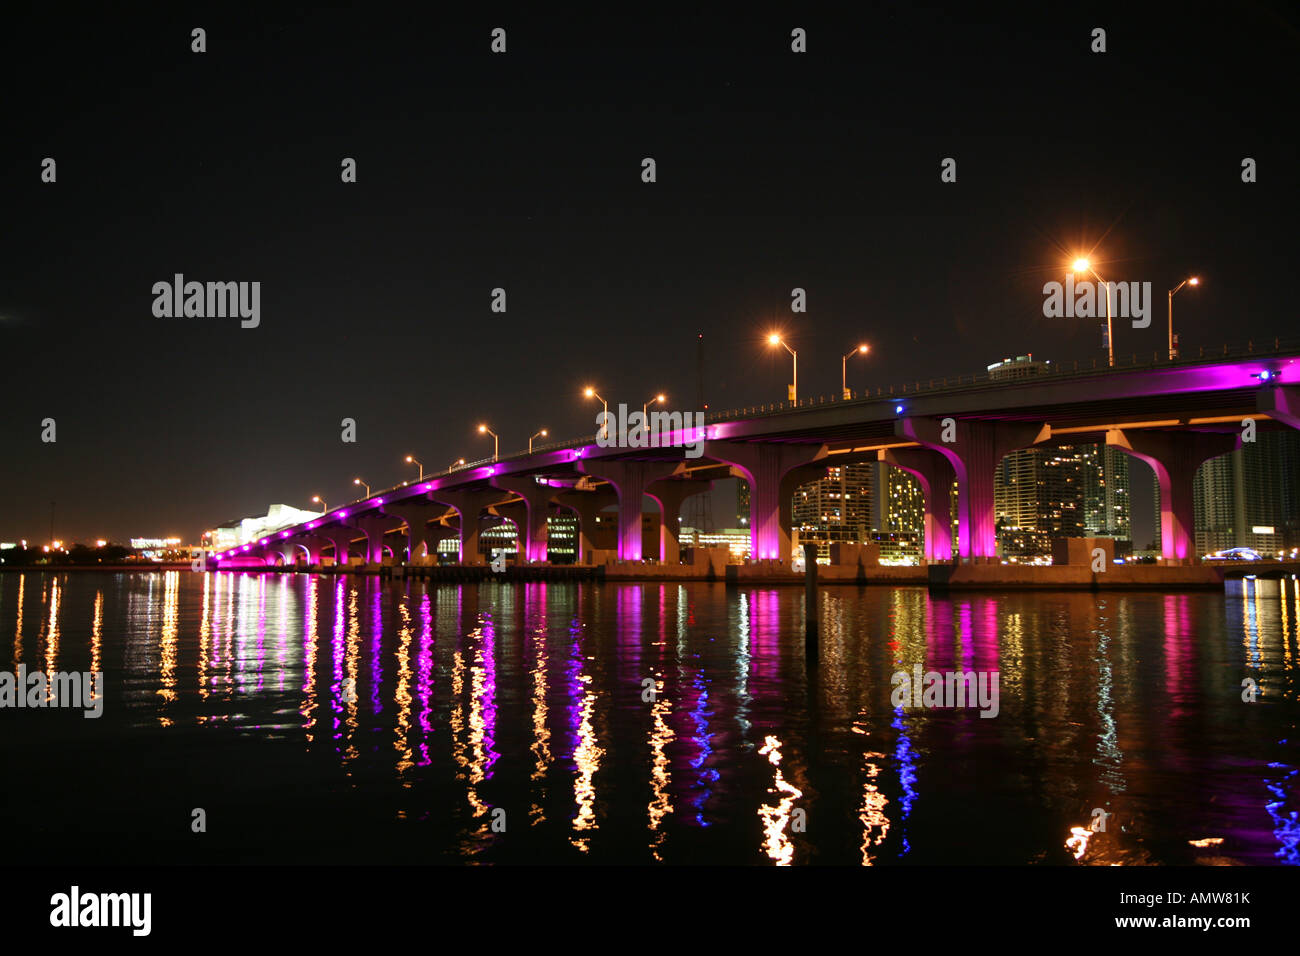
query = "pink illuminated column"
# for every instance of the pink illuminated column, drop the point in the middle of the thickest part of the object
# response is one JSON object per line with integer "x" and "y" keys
{"x": 341, "y": 538}
{"x": 587, "y": 505}
{"x": 1175, "y": 457}
{"x": 469, "y": 505}
{"x": 629, "y": 479}
{"x": 669, "y": 494}
{"x": 415, "y": 514}
{"x": 768, "y": 468}
{"x": 935, "y": 474}
{"x": 375, "y": 527}
{"x": 537, "y": 502}
{"x": 976, "y": 450}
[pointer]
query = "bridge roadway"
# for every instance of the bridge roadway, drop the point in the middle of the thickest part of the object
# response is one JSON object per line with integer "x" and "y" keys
{"x": 1174, "y": 415}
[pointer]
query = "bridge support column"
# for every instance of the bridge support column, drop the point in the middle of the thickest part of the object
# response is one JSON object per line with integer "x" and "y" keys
{"x": 374, "y": 527}
{"x": 669, "y": 493}
{"x": 532, "y": 522}
{"x": 1281, "y": 403}
{"x": 586, "y": 505}
{"x": 415, "y": 515}
{"x": 1175, "y": 457}
{"x": 629, "y": 479}
{"x": 766, "y": 468}
{"x": 935, "y": 475}
{"x": 341, "y": 538}
{"x": 469, "y": 505}
{"x": 975, "y": 453}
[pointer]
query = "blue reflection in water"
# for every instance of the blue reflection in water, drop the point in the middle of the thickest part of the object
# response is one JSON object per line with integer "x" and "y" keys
{"x": 907, "y": 760}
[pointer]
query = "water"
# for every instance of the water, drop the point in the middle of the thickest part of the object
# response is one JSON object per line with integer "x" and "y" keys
{"x": 332, "y": 719}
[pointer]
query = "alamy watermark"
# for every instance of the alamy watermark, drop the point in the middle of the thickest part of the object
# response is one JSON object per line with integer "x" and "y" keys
{"x": 209, "y": 300}
{"x": 39, "y": 690}
{"x": 950, "y": 689}
{"x": 641, "y": 429}
{"x": 1088, "y": 300}
{"x": 75, "y": 909}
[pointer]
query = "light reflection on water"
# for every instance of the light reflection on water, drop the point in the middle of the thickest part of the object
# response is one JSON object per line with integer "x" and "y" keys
{"x": 680, "y": 723}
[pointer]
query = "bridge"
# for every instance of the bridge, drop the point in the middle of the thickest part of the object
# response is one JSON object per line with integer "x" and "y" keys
{"x": 1172, "y": 414}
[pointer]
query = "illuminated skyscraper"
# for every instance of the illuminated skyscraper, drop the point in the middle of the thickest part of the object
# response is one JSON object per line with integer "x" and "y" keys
{"x": 837, "y": 507}
{"x": 1251, "y": 497}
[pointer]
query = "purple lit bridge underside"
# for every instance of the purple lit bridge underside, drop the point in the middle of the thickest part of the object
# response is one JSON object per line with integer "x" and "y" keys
{"x": 1173, "y": 416}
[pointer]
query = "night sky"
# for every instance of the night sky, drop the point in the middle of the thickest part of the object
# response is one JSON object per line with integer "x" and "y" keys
{"x": 523, "y": 171}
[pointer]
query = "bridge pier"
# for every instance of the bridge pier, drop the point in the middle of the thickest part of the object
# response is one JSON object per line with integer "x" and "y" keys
{"x": 374, "y": 527}
{"x": 669, "y": 493}
{"x": 469, "y": 505}
{"x": 977, "y": 449}
{"x": 415, "y": 514}
{"x": 1175, "y": 457}
{"x": 629, "y": 479}
{"x": 1281, "y": 403}
{"x": 586, "y": 504}
{"x": 341, "y": 538}
{"x": 536, "y": 502}
{"x": 935, "y": 474}
{"x": 766, "y": 467}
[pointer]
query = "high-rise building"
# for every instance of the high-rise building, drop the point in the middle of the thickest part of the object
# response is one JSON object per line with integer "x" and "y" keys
{"x": 1038, "y": 495}
{"x": 837, "y": 507}
{"x": 1251, "y": 497}
{"x": 1022, "y": 366}
{"x": 1107, "y": 506}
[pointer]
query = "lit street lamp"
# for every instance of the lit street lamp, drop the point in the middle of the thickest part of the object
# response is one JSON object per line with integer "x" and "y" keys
{"x": 456, "y": 464}
{"x": 413, "y": 461}
{"x": 775, "y": 339}
{"x": 1082, "y": 265}
{"x": 592, "y": 393}
{"x": 320, "y": 501}
{"x": 496, "y": 441}
{"x": 844, "y": 369}
{"x": 660, "y": 399}
{"x": 540, "y": 434}
{"x": 1173, "y": 352}
{"x": 358, "y": 481}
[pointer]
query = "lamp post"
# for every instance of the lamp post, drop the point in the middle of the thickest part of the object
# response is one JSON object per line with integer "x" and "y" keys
{"x": 1083, "y": 265}
{"x": 844, "y": 369}
{"x": 456, "y": 464}
{"x": 1193, "y": 280}
{"x": 592, "y": 393}
{"x": 358, "y": 481}
{"x": 540, "y": 434}
{"x": 658, "y": 399}
{"x": 775, "y": 339}
{"x": 413, "y": 461}
{"x": 496, "y": 440}
{"x": 321, "y": 501}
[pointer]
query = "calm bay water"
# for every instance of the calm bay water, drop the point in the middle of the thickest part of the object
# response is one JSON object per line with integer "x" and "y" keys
{"x": 332, "y": 719}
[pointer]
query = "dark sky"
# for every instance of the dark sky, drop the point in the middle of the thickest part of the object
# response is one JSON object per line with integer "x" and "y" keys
{"x": 522, "y": 170}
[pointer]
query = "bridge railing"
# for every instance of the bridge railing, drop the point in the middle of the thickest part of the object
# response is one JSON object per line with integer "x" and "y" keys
{"x": 1134, "y": 361}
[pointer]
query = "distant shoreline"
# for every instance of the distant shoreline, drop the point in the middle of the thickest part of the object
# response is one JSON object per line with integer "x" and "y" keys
{"x": 136, "y": 568}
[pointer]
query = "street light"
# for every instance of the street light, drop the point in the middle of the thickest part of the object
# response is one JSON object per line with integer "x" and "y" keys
{"x": 358, "y": 481}
{"x": 413, "y": 461}
{"x": 1173, "y": 353}
{"x": 592, "y": 393}
{"x": 660, "y": 399}
{"x": 540, "y": 434}
{"x": 496, "y": 441}
{"x": 456, "y": 464}
{"x": 1083, "y": 265}
{"x": 320, "y": 501}
{"x": 844, "y": 368}
{"x": 775, "y": 339}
